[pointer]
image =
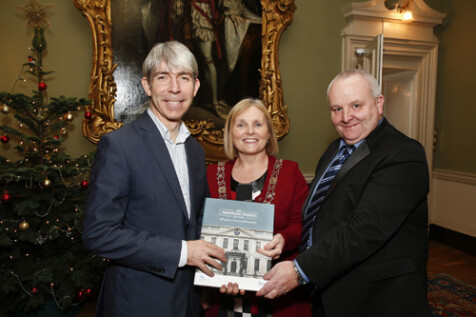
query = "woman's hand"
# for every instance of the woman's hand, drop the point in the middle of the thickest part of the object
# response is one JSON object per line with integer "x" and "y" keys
{"x": 274, "y": 248}
{"x": 232, "y": 289}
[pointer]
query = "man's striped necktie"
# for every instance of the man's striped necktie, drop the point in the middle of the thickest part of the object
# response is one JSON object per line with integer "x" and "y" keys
{"x": 320, "y": 194}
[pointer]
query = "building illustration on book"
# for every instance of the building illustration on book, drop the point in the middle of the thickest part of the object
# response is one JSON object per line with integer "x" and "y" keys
{"x": 240, "y": 246}
{"x": 240, "y": 228}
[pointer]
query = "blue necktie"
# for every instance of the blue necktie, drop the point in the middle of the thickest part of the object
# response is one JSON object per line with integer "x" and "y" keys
{"x": 320, "y": 194}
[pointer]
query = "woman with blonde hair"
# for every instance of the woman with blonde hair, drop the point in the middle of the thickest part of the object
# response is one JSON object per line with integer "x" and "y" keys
{"x": 253, "y": 173}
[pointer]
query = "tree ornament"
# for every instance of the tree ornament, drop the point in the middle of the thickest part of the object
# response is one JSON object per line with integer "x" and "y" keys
{"x": 64, "y": 131}
{"x": 88, "y": 115}
{"x": 84, "y": 184}
{"x": 68, "y": 117}
{"x": 42, "y": 85}
{"x": 46, "y": 182}
{"x": 34, "y": 290}
{"x": 6, "y": 198}
{"x": 5, "y": 109}
{"x": 23, "y": 225}
{"x": 4, "y": 139}
{"x": 35, "y": 13}
{"x": 84, "y": 293}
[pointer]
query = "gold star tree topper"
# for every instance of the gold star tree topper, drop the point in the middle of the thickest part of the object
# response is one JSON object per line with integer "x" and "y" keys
{"x": 35, "y": 13}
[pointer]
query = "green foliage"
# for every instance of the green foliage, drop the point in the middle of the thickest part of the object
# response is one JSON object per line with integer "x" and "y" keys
{"x": 42, "y": 204}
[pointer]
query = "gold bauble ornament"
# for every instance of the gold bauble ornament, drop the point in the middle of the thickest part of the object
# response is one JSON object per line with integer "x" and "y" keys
{"x": 5, "y": 109}
{"x": 46, "y": 182}
{"x": 68, "y": 117}
{"x": 23, "y": 225}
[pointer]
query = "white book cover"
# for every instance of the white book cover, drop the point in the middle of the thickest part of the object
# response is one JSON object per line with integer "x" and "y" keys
{"x": 241, "y": 228}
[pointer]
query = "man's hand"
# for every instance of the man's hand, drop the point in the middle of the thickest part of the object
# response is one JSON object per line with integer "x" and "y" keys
{"x": 281, "y": 279}
{"x": 273, "y": 248}
{"x": 202, "y": 252}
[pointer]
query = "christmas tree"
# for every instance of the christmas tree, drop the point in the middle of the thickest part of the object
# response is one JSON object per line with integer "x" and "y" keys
{"x": 42, "y": 195}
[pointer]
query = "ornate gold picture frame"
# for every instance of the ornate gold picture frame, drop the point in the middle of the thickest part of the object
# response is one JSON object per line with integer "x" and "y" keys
{"x": 276, "y": 17}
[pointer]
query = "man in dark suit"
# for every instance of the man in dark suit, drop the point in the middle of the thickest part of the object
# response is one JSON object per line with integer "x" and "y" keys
{"x": 144, "y": 209}
{"x": 366, "y": 249}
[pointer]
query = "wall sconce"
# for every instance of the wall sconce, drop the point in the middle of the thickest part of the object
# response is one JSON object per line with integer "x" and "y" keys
{"x": 401, "y": 7}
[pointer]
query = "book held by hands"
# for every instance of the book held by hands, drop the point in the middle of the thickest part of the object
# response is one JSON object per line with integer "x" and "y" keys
{"x": 241, "y": 228}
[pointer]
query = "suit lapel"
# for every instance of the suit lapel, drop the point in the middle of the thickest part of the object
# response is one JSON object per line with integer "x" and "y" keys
{"x": 363, "y": 150}
{"x": 157, "y": 146}
{"x": 360, "y": 153}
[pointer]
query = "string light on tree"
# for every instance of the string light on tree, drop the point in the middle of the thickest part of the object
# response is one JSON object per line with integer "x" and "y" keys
{"x": 46, "y": 182}
{"x": 5, "y": 109}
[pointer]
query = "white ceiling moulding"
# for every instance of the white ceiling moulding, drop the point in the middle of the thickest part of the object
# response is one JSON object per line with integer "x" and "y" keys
{"x": 376, "y": 9}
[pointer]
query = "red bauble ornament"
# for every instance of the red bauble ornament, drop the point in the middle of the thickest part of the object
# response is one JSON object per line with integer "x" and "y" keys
{"x": 88, "y": 115}
{"x": 5, "y": 139}
{"x": 6, "y": 197}
{"x": 84, "y": 184}
{"x": 84, "y": 293}
{"x": 42, "y": 85}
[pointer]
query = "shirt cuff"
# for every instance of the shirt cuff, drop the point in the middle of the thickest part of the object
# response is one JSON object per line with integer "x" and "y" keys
{"x": 183, "y": 254}
{"x": 304, "y": 276}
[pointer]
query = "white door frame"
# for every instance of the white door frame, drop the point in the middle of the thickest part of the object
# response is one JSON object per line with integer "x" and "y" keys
{"x": 407, "y": 46}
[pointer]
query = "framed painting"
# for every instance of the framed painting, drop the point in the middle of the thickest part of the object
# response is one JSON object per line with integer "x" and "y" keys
{"x": 235, "y": 42}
